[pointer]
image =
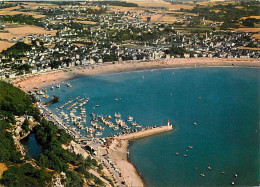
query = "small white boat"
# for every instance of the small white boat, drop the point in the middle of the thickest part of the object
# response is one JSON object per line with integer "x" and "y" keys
{"x": 52, "y": 88}
{"x": 117, "y": 115}
{"x": 209, "y": 168}
{"x": 115, "y": 128}
{"x": 68, "y": 85}
{"x": 99, "y": 133}
{"x": 58, "y": 86}
{"x": 40, "y": 93}
{"x": 194, "y": 123}
{"x": 45, "y": 96}
{"x": 130, "y": 118}
{"x": 202, "y": 174}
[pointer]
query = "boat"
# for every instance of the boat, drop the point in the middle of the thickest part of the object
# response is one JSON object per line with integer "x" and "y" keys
{"x": 190, "y": 147}
{"x": 89, "y": 135}
{"x": 194, "y": 123}
{"x": 233, "y": 183}
{"x": 139, "y": 126}
{"x": 235, "y": 175}
{"x": 68, "y": 85}
{"x": 98, "y": 133}
{"x": 45, "y": 96}
{"x": 116, "y": 99}
{"x": 185, "y": 155}
{"x": 91, "y": 130}
{"x": 134, "y": 123}
{"x": 202, "y": 174}
{"x": 58, "y": 86}
{"x": 52, "y": 88}
{"x": 115, "y": 128}
{"x": 130, "y": 118}
{"x": 117, "y": 115}
{"x": 40, "y": 93}
{"x": 177, "y": 153}
{"x": 109, "y": 117}
{"x": 209, "y": 168}
{"x": 111, "y": 125}
{"x": 97, "y": 105}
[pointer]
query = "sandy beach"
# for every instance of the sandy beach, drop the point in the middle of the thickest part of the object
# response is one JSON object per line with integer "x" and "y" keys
{"x": 118, "y": 152}
{"x": 50, "y": 78}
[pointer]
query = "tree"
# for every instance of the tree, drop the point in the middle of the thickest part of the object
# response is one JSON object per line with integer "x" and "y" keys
{"x": 25, "y": 125}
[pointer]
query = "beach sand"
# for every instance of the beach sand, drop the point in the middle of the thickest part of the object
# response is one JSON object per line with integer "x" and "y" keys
{"x": 118, "y": 152}
{"x": 51, "y": 78}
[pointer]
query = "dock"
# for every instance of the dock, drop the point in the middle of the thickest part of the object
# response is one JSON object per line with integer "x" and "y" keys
{"x": 146, "y": 132}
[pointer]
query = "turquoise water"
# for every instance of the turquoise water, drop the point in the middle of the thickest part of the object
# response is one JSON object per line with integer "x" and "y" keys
{"x": 33, "y": 148}
{"x": 224, "y": 102}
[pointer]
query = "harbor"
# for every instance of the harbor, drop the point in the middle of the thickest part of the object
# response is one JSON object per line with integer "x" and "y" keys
{"x": 188, "y": 141}
{"x": 86, "y": 129}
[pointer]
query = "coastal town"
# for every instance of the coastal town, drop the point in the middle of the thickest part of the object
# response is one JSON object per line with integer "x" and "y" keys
{"x": 89, "y": 33}
{"x": 44, "y": 45}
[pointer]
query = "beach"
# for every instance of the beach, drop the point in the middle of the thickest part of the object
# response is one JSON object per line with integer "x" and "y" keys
{"x": 54, "y": 77}
{"x": 118, "y": 152}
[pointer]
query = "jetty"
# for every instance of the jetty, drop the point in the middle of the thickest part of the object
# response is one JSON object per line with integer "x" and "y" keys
{"x": 146, "y": 132}
{"x": 117, "y": 149}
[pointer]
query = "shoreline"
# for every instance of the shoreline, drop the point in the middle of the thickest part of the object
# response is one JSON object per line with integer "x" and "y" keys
{"x": 54, "y": 77}
{"x": 119, "y": 153}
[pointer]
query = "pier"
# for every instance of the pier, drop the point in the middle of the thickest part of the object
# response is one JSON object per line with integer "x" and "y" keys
{"x": 146, "y": 132}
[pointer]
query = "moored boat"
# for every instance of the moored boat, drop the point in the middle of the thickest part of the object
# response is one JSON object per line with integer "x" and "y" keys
{"x": 117, "y": 115}
{"x": 130, "y": 118}
{"x": 68, "y": 85}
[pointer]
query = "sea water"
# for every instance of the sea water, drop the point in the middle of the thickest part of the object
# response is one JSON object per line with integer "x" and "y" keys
{"x": 223, "y": 102}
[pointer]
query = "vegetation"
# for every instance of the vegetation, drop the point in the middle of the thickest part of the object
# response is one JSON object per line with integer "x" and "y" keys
{"x": 176, "y": 51}
{"x": 26, "y": 175}
{"x": 16, "y": 51}
{"x": 15, "y": 102}
{"x": 229, "y": 14}
{"x": 116, "y": 3}
{"x": 22, "y": 19}
{"x": 7, "y": 5}
{"x": 250, "y": 22}
{"x": 25, "y": 125}
{"x": 8, "y": 153}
